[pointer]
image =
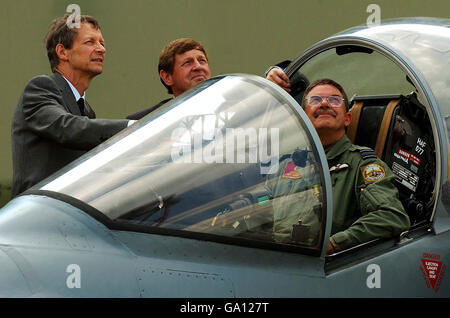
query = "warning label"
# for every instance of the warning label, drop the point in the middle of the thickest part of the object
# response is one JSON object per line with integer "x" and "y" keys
{"x": 432, "y": 271}
{"x": 405, "y": 177}
{"x": 407, "y": 157}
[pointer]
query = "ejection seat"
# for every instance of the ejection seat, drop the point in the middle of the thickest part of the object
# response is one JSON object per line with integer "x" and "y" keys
{"x": 398, "y": 129}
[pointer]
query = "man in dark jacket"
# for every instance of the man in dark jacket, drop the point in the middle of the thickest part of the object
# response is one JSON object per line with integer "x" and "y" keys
{"x": 183, "y": 64}
{"x": 53, "y": 124}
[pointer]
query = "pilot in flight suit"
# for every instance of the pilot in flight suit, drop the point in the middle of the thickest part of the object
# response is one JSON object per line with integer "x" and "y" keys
{"x": 365, "y": 201}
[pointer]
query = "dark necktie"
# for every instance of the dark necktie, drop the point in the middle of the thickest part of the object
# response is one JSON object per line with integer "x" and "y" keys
{"x": 80, "y": 103}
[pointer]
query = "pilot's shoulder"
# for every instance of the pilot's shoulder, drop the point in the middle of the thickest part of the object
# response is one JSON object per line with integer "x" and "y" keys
{"x": 364, "y": 152}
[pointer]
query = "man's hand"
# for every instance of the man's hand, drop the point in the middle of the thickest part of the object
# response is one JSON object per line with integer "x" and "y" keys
{"x": 330, "y": 249}
{"x": 280, "y": 78}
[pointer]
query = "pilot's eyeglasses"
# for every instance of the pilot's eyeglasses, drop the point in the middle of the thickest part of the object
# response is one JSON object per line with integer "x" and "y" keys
{"x": 333, "y": 101}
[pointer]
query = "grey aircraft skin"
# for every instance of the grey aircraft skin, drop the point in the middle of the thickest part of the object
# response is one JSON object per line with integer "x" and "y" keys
{"x": 178, "y": 204}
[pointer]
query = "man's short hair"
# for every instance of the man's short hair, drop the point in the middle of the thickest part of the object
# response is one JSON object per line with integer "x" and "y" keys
{"x": 168, "y": 54}
{"x": 59, "y": 32}
{"x": 325, "y": 81}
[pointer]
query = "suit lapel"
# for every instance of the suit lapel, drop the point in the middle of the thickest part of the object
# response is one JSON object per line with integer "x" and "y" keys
{"x": 88, "y": 110}
{"x": 69, "y": 100}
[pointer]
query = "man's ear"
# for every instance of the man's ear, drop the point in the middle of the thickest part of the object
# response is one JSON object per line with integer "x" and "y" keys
{"x": 62, "y": 52}
{"x": 166, "y": 77}
{"x": 347, "y": 119}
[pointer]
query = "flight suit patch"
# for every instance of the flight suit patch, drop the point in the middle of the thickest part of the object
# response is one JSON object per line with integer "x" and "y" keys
{"x": 373, "y": 172}
{"x": 290, "y": 171}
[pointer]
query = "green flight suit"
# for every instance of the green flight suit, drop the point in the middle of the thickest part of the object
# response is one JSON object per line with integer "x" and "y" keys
{"x": 296, "y": 193}
{"x": 365, "y": 201}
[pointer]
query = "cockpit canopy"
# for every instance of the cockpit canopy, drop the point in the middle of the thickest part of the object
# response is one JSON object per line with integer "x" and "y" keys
{"x": 206, "y": 162}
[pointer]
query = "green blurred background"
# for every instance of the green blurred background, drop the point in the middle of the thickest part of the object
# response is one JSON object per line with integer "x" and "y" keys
{"x": 244, "y": 36}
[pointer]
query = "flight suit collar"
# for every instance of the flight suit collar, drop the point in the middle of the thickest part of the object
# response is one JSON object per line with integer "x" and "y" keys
{"x": 339, "y": 147}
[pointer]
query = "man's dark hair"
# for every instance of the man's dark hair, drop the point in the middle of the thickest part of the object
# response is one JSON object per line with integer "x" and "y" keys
{"x": 168, "y": 54}
{"x": 325, "y": 81}
{"x": 59, "y": 32}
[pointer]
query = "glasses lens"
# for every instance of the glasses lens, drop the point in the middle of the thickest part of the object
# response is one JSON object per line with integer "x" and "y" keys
{"x": 315, "y": 100}
{"x": 335, "y": 101}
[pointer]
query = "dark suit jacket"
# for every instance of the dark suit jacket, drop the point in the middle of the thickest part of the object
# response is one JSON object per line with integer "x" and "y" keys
{"x": 138, "y": 115}
{"x": 48, "y": 131}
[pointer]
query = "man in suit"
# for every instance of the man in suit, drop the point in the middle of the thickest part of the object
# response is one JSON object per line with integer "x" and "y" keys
{"x": 53, "y": 124}
{"x": 183, "y": 63}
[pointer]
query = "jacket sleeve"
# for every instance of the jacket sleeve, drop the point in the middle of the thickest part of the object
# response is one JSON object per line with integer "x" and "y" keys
{"x": 46, "y": 114}
{"x": 382, "y": 213}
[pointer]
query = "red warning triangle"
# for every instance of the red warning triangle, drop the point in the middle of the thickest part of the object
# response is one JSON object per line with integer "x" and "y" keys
{"x": 432, "y": 269}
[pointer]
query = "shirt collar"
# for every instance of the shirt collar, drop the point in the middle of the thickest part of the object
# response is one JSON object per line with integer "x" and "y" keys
{"x": 74, "y": 90}
{"x": 339, "y": 147}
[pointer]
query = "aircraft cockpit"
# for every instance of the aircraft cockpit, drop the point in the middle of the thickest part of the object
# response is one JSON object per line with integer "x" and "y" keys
{"x": 395, "y": 75}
